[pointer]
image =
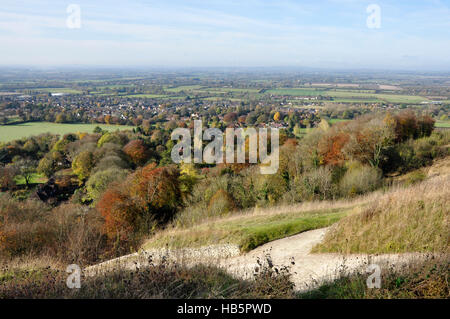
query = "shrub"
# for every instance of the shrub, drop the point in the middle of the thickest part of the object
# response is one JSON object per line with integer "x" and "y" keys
{"x": 220, "y": 204}
{"x": 360, "y": 179}
{"x": 7, "y": 175}
{"x": 110, "y": 161}
{"x": 415, "y": 177}
{"x": 100, "y": 181}
{"x": 70, "y": 233}
{"x": 165, "y": 280}
{"x": 317, "y": 184}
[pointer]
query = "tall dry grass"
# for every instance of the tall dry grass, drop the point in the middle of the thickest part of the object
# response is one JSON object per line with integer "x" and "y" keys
{"x": 412, "y": 219}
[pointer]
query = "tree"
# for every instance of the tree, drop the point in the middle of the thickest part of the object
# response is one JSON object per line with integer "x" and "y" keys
{"x": 83, "y": 164}
{"x": 7, "y": 177}
{"x": 368, "y": 141}
{"x": 156, "y": 137}
{"x": 230, "y": 117}
{"x": 220, "y": 203}
{"x": 110, "y": 138}
{"x": 277, "y": 117}
{"x": 148, "y": 197}
{"x": 31, "y": 147}
{"x": 99, "y": 182}
{"x": 425, "y": 125}
{"x": 26, "y": 169}
{"x": 98, "y": 130}
{"x": 406, "y": 125}
{"x": 137, "y": 152}
{"x": 46, "y": 166}
{"x": 330, "y": 147}
{"x": 60, "y": 118}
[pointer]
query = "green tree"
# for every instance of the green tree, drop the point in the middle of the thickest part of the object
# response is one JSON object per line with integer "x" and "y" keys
{"x": 26, "y": 169}
{"x": 83, "y": 164}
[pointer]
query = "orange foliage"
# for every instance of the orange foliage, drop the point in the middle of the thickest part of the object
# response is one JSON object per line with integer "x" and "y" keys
{"x": 137, "y": 151}
{"x": 330, "y": 148}
{"x": 150, "y": 195}
{"x": 116, "y": 209}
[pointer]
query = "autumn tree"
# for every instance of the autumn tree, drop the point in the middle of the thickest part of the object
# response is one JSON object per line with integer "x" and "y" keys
{"x": 425, "y": 125}
{"x": 100, "y": 181}
{"x": 147, "y": 198}
{"x": 331, "y": 145}
{"x": 107, "y": 119}
{"x": 7, "y": 177}
{"x": 276, "y": 116}
{"x": 406, "y": 125}
{"x": 368, "y": 141}
{"x": 230, "y": 117}
{"x": 137, "y": 151}
{"x": 83, "y": 164}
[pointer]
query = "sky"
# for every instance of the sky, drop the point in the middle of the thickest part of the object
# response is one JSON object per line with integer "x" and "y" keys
{"x": 337, "y": 34}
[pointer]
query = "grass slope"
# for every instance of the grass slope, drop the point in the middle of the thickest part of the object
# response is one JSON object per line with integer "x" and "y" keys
{"x": 412, "y": 219}
{"x": 248, "y": 230}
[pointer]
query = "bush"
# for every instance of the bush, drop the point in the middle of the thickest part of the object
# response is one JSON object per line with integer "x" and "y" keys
{"x": 110, "y": 161}
{"x": 316, "y": 184}
{"x": 415, "y": 177}
{"x": 70, "y": 233}
{"x": 220, "y": 204}
{"x": 360, "y": 179}
{"x": 99, "y": 182}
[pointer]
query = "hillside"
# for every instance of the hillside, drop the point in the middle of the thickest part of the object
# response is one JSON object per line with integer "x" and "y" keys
{"x": 411, "y": 219}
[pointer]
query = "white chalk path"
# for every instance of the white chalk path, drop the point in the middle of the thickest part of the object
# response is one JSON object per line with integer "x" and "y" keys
{"x": 308, "y": 270}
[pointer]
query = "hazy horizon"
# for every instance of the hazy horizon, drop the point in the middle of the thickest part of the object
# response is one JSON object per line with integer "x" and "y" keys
{"x": 325, "y": 34}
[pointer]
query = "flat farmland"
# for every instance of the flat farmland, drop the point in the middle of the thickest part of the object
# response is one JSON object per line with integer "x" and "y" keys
{"x": 58, "y": 90}
{"x": 18, "y": 131}
{"x": 349, "y": 95}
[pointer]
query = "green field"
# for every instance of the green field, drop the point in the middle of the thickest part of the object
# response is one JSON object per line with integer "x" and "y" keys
{"x": 14, "y": 132}
{"x": 35, "y": 179}
{"x": 350, "y": 95}
{"x": 442, "y": 124}
{"x": 149, "y": 96}
{"x": 59, "y": 90}
{"x": 182, "y": 88}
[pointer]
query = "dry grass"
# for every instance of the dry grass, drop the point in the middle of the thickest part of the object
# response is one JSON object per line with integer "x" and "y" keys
{"x": 256, "y": 226}
{"x": 165, "y": 280}
{"x": 247, "y": 231}
{"x": 418, "y": 279}
{"x": 413, "y": 219}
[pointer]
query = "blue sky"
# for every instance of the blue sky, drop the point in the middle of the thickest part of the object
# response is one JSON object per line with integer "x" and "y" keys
{"x": 414, "y": 35}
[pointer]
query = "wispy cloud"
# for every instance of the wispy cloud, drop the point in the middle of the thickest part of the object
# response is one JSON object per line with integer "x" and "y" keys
{"x": 217, "y": 32}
